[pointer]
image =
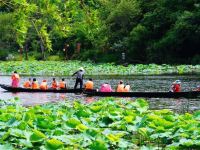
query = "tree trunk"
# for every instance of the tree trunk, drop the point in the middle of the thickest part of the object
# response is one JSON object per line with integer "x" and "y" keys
{"x": 26, "y": 51}
{"x": 42, "y": 50}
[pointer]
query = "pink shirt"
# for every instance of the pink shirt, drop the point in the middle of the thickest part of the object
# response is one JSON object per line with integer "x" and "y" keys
{"x": 105, "y": 88}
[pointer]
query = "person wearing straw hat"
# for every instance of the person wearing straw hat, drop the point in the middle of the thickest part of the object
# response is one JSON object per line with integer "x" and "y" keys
{"x": 176, "y": 86}
{"x": 79, "y": 77}
{"x": 197, "y": 88}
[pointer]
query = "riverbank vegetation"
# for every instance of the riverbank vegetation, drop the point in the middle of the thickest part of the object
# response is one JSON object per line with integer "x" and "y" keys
{"x": 101, "y": 30}
{"x": 105, "y": 124}
{"x": 59, "y": 68}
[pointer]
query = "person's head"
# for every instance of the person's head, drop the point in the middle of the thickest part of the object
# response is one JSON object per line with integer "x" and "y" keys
{"x": 63, "y": 79}
{"x": 29, "y": 79}
{"x": 90, "y": 79}
{"x": 15, "y": 71}
{"x": 120, "y": 82}
{"x": 34, "y": 79}
{"x": 54, "y": 79}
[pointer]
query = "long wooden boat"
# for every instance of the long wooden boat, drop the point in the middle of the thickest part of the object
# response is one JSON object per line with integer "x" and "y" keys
{"x": 20, "y": 89}
{"x": 189, "y": 94}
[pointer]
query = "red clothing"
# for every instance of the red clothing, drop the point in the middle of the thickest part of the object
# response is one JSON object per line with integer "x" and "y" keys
{"x": 15, "y": 80}
{"x": 105, "y": 88}
{"x": 176, "y": 88}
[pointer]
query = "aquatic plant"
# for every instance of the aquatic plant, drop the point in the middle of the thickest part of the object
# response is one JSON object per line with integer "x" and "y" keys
{"x": 69, "y": 67}
{"x": 105, "y": 124}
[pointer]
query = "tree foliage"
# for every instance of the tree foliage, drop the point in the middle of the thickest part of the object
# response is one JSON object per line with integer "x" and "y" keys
{"x": 159, "y": 31}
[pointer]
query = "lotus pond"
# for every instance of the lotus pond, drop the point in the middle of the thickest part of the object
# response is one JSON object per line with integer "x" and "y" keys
{"x": 105, "y": 124}
{"x": 69, "y": 67}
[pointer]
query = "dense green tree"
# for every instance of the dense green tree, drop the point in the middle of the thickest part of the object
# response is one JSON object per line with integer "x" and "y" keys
{"x": 158, "y": 31}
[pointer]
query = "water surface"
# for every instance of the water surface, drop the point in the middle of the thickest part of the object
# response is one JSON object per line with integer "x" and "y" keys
{"x": 138, "y": 83}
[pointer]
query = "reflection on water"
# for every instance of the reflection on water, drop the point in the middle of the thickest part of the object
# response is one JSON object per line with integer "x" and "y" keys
{"x": 138, "y": 83}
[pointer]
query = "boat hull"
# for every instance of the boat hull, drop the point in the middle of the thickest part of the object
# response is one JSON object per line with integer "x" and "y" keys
{"x": 20, "y": 89}
{"x": 190, "y": 94}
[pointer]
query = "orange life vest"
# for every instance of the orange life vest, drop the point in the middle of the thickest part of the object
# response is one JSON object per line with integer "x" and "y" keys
{"x": 27, "y": 84}
{"x": 89, "y": 85}
{"x": 127, "y": 88}
{"x": 62, "y": 85}
{"x": 120, "y": 88}
{"x": 54, "y": 85}
{"x": 35, "y": 85}
{"x": 43, "y": 86}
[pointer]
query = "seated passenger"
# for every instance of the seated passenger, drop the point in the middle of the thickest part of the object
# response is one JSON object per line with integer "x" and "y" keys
{"x": 197, "y": 88}
{"x": 43, "y": 85}
{"x": 35, "y": 84}
{"x": 62, "y": 84}
{"x": 176, "y": 86}
{"x": 106, "y": 88}
{"x": 27, "y": 84}
{"x": 127, "y": 88}
{"x": 120, "y": 87}
{"x": 54, "y": 84}
{"x": 15, "y": 79}
{"x": 89, "y": 85}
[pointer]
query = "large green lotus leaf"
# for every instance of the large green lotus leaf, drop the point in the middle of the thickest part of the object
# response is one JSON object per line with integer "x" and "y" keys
{"x": 161, "y": 135}
{"x": 58, "y": 132}
{"x": 197, "y": 115}
{"x": 141, "y": 105}
{"x": 186, "y": 142}
{"x": 6, "y": 147}
{"x": 4, "y": 136}
{"x": 132, "y": 128}
{"x": 93, "y": 132}
{"x": 73, "y": 122}
{"x": 54, "y": 144}
{"x": 17, "y": 132}
{"x": 96, "y": 109}
{"x": 81, "y": 127}
{"x": 25, "y": 143}
{"x": 82, "y": 113}
{"x": 129, "y": 119}
{"x": 143, "y": 132}
{"x": 148, "y": 148}
{"x": 44, "y": 123}
{"x": 98, "y": 145}
{"x": 37, "y": 136}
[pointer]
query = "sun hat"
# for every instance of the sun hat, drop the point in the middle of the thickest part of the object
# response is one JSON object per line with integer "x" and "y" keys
{"x": 178, "y": 82}
{"x": 81, "y": 68}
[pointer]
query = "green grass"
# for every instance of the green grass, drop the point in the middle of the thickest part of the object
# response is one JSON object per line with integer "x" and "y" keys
{"x": 69, "y": 67}
{"x": 109, "y": 123}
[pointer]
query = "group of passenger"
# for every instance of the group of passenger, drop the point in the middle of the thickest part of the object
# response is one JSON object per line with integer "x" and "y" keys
{"x": 44, "y": 85}
{"x": 120, "y": 87}
{"x": 89, "y": 85}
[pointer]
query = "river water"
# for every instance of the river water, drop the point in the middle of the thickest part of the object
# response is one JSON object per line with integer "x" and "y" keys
{"x": 138, "y": 83}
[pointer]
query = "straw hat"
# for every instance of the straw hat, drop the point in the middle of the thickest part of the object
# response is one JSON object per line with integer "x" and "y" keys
{"x": 178, "y": 82}
{"x": 81, "y": 68}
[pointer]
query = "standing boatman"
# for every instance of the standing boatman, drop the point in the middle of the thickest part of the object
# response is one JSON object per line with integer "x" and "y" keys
{"x": 79, "y": 77}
